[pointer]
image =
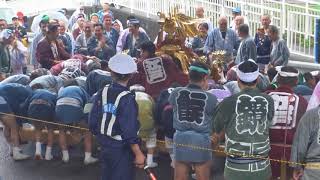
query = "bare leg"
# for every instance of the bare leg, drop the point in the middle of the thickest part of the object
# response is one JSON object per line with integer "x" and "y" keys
{"x": 203, "y": 170}
{"x": 150, "y": 154}
{"x": 88, "y": 159}
{"x": 11, "y": 125}
{"x": 88, "y": 141}
{"x": 62, "y": 140}
{"x": 50, "y": 138}
{"x": 151, "y": 151}
{"x": 37, "y": 134}
{"x": 7, "y": 133}
{"x": 181, "y": 171}
{"x": 151, "y": 144}
{"x": 37, "y": 137}
{"x": 48, "y": 155}
{"x": 63, "y": 145}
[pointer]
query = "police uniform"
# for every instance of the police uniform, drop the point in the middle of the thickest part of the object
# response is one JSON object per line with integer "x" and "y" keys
{"x": 113, "y": 119}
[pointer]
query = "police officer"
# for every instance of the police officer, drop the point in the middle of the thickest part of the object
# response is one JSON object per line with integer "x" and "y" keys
{"x": 113, "y": 119}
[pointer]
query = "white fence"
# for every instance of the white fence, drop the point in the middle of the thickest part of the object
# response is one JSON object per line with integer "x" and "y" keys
{"x": 295, "y": 20}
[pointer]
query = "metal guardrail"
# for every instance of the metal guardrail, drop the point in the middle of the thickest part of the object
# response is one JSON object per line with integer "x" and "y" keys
{"x": 296, "y": 20}
{"x": 304, "y": 66}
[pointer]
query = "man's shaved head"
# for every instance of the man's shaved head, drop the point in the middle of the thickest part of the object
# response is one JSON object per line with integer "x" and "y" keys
{"x": 223, "y": 23}
{"x": 200, "y": 12}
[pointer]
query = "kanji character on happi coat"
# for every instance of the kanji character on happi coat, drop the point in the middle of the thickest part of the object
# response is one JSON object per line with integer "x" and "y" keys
{"x": 289, "y": 108}
{"x": 193, "y": 112}
{"x": 245, "y": 118}
{"x": 156, "y": 73}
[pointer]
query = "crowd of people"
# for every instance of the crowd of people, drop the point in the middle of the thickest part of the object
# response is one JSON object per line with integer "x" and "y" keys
{"x": 93, "y": 73}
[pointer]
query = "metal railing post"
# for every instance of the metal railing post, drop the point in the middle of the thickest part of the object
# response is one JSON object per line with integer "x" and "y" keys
{"x": 242, "y": 7}
{"x": 166, "y": 6}
{"x": 317, "y": 42}
{"x": 223, "y": 11}
{"x": 148, "y": 8}
{"x": 283, "y": 20}
{"x": 262, "y": 7}
{"x": 294, "y": 21}
{"x": 131, "y": 4}
{"x": 307, "y": 23}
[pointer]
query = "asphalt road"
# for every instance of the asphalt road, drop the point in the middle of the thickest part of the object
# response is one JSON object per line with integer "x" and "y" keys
{"x": 74, "y": 170}
{"x": 57, "y": 170}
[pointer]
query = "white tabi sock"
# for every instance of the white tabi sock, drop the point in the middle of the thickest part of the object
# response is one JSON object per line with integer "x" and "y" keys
{"x": 172, "y": 156}
{"x": 65, "y": 155}
{"x": 38, "y": 148}
{"x": 17, "y": 155}
{"x": 172, "y": 160}
{"x": 10, "y": 149}
{"x": 149, "y": 159}
{"x": 16, "y": 150}
{"x": 87, "y": 155}
{"x": 88, "y": 159}
{"x": 48, "y": 152}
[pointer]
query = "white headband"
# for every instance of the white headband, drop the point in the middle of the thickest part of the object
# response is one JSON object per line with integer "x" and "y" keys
{"x": 248, "y": 77}
{"x": 288, "y": 74}
{"x": 314, "y": 73}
